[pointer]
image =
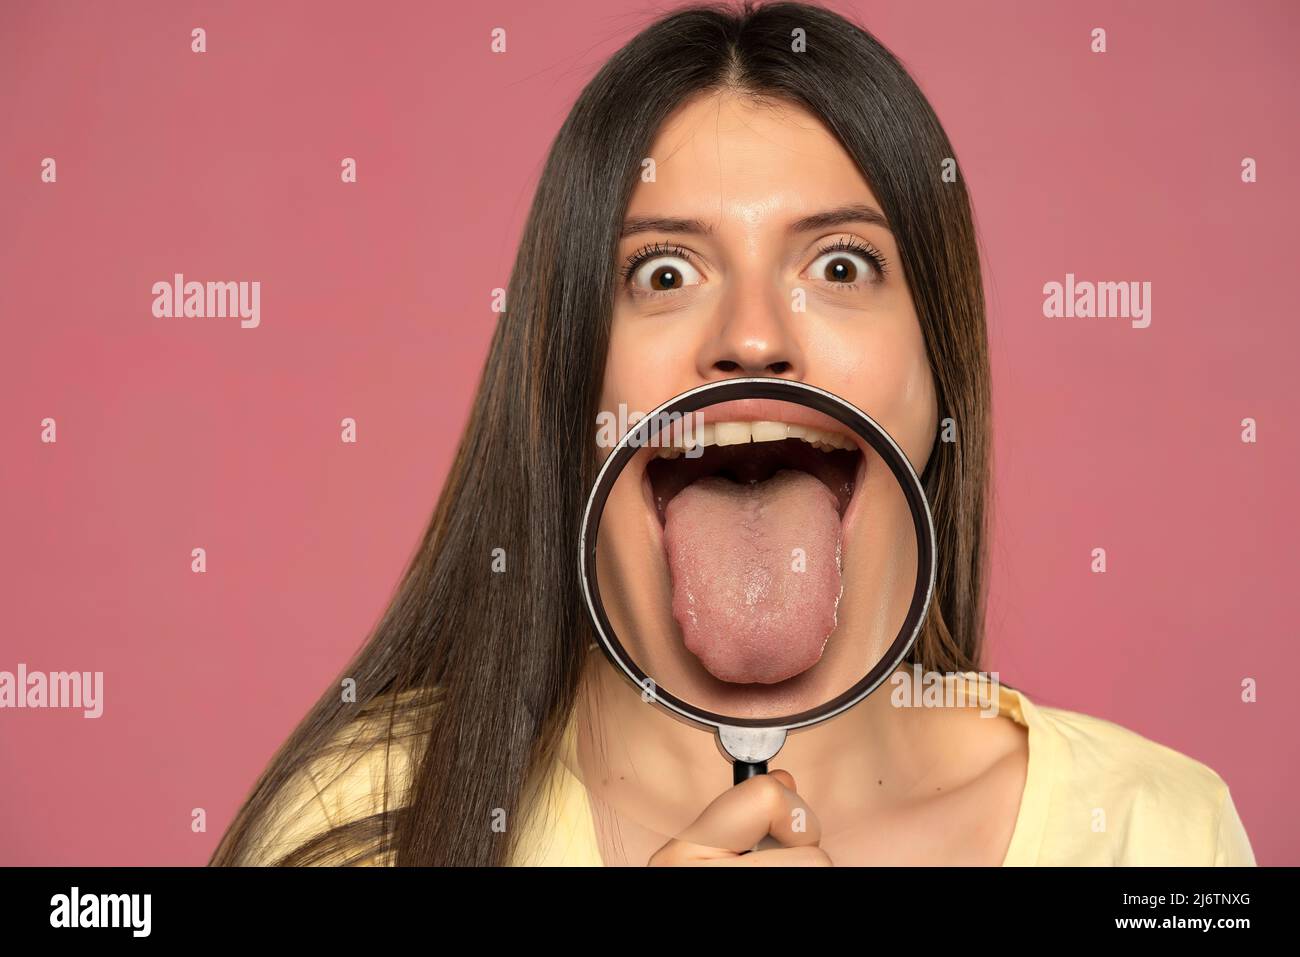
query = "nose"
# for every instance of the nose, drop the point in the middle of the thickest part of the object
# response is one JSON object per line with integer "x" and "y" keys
{"x": 752, "y": 335}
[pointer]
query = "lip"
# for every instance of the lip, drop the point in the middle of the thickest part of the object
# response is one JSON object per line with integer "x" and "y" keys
{"x": 761, "y": 410}
{"x": 775, "y": 410}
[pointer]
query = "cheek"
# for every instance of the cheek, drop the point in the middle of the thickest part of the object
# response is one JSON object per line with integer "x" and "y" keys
{"x": 620, "y": 365}
{"x": 649, "y": 361}
{"x": 885, "y": 371}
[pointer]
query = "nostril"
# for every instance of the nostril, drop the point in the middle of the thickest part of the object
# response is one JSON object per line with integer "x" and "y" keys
{"x": 772, "y": 368}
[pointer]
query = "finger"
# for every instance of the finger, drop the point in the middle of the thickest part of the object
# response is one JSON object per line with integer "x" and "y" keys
{"x": 741, "y": 816}
{"x": 785, "y": 778}
{"x": 784, "y": 857}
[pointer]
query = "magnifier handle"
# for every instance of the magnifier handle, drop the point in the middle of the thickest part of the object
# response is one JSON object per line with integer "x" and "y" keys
{"x": 743, "y": 771}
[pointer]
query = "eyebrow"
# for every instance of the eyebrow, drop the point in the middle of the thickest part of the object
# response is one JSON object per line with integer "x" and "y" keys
{"x": 853, "y": 213}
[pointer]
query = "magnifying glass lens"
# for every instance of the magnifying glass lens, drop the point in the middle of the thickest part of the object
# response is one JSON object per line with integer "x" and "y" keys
{"x": 756, "y": 558}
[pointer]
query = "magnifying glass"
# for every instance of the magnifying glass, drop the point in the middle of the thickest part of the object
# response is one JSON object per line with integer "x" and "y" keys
{"x": 767, "y": 553}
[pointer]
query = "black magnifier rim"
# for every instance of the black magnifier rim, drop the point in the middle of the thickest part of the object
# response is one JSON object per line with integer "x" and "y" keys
{"x": 802, "y": 394}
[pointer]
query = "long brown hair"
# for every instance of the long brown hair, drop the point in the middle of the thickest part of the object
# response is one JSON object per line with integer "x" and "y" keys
{"x": 496, "y": 657}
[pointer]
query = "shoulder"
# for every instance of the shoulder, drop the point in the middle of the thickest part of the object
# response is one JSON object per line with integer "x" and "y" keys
{"x": 1112, "y": 796}
{"x": 330, "y": 810}
{"x": 1104, "y": 748}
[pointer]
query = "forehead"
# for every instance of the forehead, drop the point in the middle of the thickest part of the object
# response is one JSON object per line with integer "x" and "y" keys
{"x": 723, "y": 156}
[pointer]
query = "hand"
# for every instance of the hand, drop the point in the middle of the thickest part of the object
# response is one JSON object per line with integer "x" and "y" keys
{"x": 739, "y": 818}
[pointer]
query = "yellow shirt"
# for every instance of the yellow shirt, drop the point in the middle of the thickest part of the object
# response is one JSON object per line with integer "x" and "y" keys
{"x": 1095, "y": 794}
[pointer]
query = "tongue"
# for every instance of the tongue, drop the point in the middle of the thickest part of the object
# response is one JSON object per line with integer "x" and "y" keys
{"x": 756, "y": 573}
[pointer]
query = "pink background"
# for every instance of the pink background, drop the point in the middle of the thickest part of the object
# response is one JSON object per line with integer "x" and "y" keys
{"x": 375, "y": 304}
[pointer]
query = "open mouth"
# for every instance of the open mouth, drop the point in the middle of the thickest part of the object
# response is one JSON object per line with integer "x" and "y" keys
{"x": 752, "y": 533}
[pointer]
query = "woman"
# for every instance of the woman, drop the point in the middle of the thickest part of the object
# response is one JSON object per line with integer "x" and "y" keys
{"x": 721, "y": 166}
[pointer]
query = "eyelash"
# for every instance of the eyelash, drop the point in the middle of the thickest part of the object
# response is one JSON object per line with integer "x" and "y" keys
{"x": 650, "y": 252}
{"x": 653, "y": 250}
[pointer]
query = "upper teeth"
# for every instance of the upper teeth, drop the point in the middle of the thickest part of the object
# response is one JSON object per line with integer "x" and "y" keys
{"x": 735, "y": 433}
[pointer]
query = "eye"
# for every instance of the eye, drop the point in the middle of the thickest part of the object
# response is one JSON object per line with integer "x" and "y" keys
{"x": 660, "y": 269}
{"x": 848, "y": 262}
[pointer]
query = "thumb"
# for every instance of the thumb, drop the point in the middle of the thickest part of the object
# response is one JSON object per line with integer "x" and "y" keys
{"x": 785, "y": 777}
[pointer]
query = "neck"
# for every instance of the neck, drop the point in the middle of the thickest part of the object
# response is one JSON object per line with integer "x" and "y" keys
{"x": 658, "y": 771}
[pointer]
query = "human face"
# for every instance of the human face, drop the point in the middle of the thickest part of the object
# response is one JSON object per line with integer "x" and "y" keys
{"x": 733, "y": 276}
